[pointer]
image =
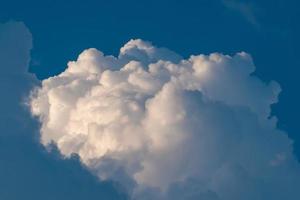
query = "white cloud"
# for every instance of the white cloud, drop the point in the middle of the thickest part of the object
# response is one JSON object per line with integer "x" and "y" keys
{"x": 169, "y": 128}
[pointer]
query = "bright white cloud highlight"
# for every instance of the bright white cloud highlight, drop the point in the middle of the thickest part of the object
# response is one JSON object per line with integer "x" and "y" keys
{"x": 170, "y": 128}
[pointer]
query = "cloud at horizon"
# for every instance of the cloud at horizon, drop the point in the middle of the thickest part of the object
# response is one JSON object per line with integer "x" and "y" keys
{"x": 170, "y": 128}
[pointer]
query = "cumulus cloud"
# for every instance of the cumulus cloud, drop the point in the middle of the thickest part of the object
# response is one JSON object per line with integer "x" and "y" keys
{"x": 170, "y": 128}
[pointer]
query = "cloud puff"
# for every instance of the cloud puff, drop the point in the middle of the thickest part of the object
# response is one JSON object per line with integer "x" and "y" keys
{"x": 170, "y": 128}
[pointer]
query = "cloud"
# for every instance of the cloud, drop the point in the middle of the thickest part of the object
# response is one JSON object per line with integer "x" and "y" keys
{"x": 26, "y": 170}
{"x": 170, "y": 128}
{"x": 247, "y": 9}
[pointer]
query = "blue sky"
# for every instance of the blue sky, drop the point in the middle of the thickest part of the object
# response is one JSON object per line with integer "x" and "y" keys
{"x": 269, "y": 31}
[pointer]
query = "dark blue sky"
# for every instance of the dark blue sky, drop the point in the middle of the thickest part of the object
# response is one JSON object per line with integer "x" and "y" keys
{"x": 268, "y": 30}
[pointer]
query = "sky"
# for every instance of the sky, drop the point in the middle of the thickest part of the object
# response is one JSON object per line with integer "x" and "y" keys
{"x": 58, "y": 31}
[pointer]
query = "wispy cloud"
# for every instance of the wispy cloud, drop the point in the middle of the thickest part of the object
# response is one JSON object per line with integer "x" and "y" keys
{"x": 247, "y": 9}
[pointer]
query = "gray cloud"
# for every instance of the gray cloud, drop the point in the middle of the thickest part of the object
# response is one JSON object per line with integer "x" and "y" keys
{"x": 247, "y": 9}
{"x": 27, "y": 171}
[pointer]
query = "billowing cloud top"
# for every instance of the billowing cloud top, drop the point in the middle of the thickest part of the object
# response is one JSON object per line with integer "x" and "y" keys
{"x": 170, "y": 128}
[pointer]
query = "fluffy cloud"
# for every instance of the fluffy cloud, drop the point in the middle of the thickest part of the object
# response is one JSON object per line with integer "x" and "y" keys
{"x": 170, "y": 128}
